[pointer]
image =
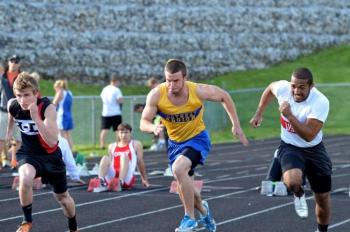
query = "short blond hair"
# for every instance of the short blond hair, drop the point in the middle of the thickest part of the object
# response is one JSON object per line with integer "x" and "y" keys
{"x": 36, "y": 76}
{"x": 152, "y": 81}
{"x": 61, "y": 84}
{"x": 25, "y": 81}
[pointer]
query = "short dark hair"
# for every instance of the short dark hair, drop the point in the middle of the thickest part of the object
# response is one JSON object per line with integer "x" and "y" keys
{"x": 114, "y": 77}
{"x": 173, "y": 66}
{"x": 124, "y": 126}
{"x": 14, "y": 57}
{"x": 304, "y": 74}
{"x": 151, "y": 81}
{"x": 139, "y": 107}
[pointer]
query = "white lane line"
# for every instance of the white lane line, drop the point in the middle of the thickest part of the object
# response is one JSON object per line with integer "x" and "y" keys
{"x": 86, "y": 203}
{"x": 16, "y": 198}
{"x": 123, "y": 196}
{"x": 210, "y": 198}
{"x": 339, "y": 224}
{"x": 243, "y": 172}
{"x": 209, "y": 187}
{"x": 222, "y": 176}
{"x": 261, "y": 168}
{"x": 157, "y": 211}
{"x": 261, "y": 211}
{"x": 40, "y": 194}
{"x": 238, "y": 167}
{"x": 254, "y": 214}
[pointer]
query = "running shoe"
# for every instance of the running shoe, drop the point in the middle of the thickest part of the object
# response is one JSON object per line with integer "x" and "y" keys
{"x": 115, "y": 185}
{"x": 207, "y": 220}
{"x": 187, "y": 225}
{"x": 6, "y": 163}
{"x": 24, "y": 227}
{"x": 300, "y": 206}
{"x": 103, "y": 187}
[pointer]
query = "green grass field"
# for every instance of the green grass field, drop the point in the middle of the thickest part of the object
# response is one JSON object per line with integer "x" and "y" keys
{"x": 330, "y": 65}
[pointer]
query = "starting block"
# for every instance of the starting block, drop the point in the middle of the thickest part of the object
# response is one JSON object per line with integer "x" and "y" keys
{"x": 113, "y": 185}
{"x": 198, "y": 184}
{"x": 37, "y": 184}
{"x": 93, "y": 183}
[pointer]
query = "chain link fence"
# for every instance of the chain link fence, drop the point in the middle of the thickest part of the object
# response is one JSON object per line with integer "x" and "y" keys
{"x": 87, "y": 113}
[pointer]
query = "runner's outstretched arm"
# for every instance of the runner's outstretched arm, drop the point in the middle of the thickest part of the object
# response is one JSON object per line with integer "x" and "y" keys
{"x": 216, "y": 94}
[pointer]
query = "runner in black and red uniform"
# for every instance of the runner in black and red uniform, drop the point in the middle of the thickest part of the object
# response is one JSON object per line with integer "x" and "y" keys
{"x": 39, "y": 155}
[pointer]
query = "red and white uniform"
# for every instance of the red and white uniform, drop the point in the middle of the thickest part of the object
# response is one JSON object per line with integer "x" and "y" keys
{"x": 117, "y": 152}
{"x": 316, "y": 106}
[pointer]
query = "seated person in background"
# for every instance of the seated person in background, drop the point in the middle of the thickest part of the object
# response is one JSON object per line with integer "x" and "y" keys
{"x": 123, "y": 156}
{"x": 159, "y": 141}
{"x": 69, "y": 161}
{"x": 152, "y": 82}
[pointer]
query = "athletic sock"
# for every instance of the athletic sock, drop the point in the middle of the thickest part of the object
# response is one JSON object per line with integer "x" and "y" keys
{"x": 72, "y": 223}
{"x": 27, "y": 211}
{"x": 322, "y": 228}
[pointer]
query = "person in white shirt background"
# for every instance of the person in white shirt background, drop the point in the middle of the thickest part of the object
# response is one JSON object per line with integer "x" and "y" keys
{"x": 304, "y": 110}
{"x": 68, "y": 158}
{"x": 112, "y": 99}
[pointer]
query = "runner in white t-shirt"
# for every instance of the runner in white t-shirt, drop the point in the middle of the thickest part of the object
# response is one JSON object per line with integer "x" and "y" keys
{"x": 112, "y": 99}
{"x": 304, "y": 110}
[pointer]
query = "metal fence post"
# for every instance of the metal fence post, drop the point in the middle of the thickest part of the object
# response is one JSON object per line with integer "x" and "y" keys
{"x": 93, "y": 120}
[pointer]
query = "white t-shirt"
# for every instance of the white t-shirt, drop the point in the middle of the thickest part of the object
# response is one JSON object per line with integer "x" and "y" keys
{"x": 109, "y": 95}
{"x": 316, "y": 106}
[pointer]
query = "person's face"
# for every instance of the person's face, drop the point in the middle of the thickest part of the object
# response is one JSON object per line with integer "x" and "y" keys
{"x": 174, "y": 82}
{"x": 14, "y": 65}
{"x": 25, "y": 97}
{"x": 124, "y": 135}
{"x": 57, "y": 88}
{"x": 300, "y": 89}
{"x": 116, "y": 83}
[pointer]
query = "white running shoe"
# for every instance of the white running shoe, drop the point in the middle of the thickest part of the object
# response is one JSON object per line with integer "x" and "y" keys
{"x": 100, "y": 189}
{"x": 168, "y": 172}
{"x": 153, "y": 147}
{"x": 300, "y": 206}
{"x": 103, "y": 187}
{"x": 6, "y": 163}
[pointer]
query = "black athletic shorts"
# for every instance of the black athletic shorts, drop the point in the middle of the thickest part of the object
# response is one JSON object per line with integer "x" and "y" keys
{"x": 313, "y": 161}
{"x": 194, "y": 156}
{"x": 50, "y": 168}
{"x": 110, "y": 121}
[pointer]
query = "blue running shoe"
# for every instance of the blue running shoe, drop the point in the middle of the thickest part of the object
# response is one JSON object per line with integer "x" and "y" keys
{"x": 187, "y": 225}
{"x": 208, "y": 220}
